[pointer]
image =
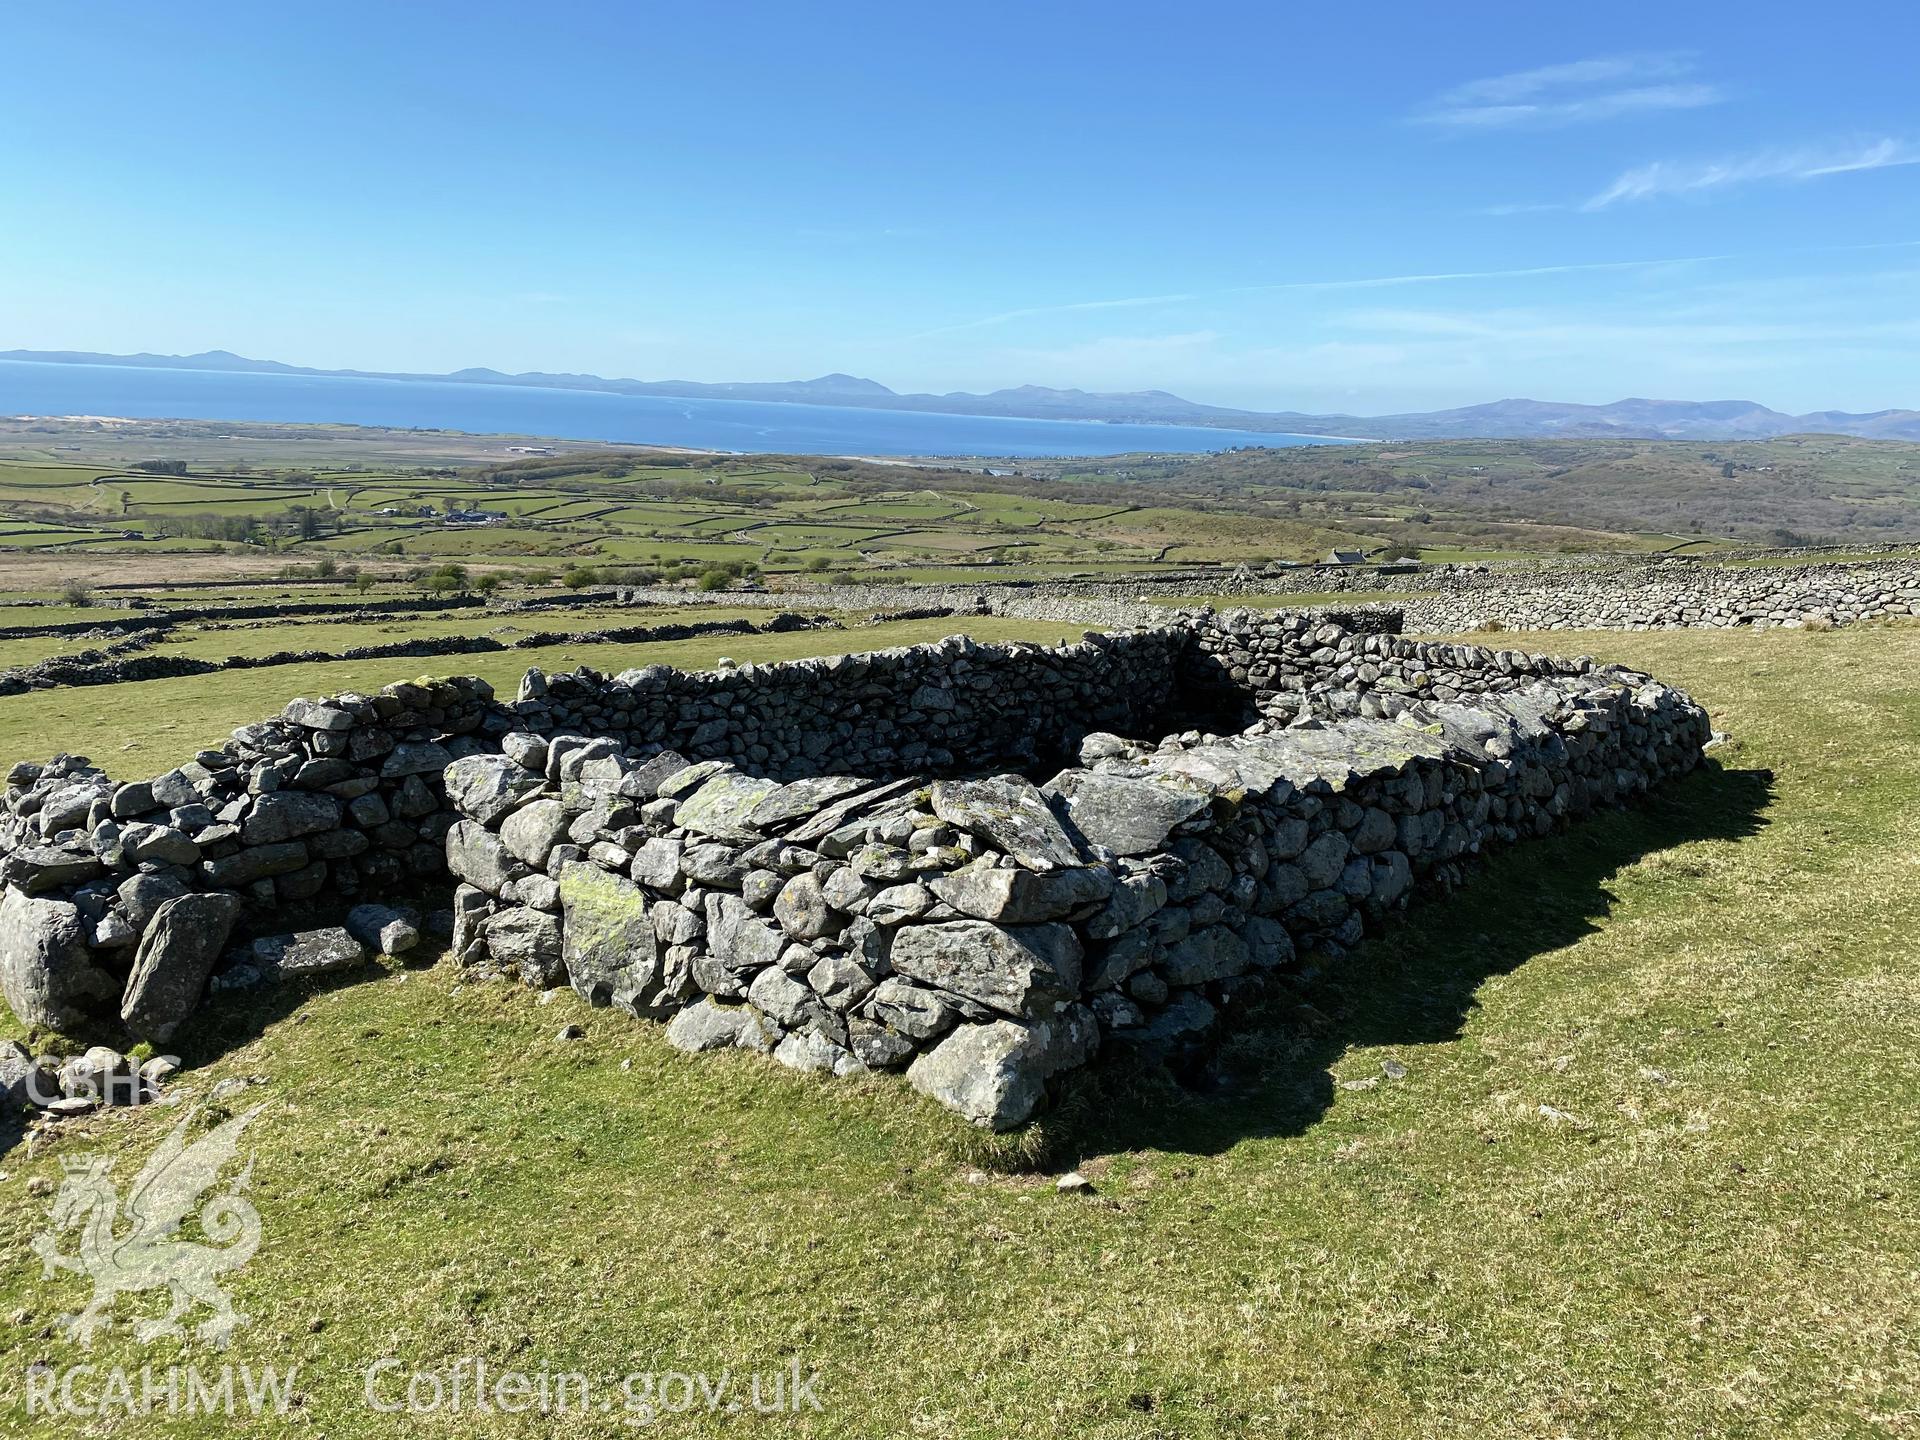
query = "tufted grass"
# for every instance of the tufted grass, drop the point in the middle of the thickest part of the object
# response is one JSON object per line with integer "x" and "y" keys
{"x": 1649, "y": 1172}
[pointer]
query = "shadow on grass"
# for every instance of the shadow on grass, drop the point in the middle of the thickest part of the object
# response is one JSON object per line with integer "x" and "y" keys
{"x": 1270, "y": 1074}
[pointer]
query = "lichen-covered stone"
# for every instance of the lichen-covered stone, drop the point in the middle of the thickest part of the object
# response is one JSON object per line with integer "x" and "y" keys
{"x": 479, "y": 857}
{"x": 738, "y": 938}
{"x": 1009, "y": 814}
{"x": 787, "y": 804}
{"x": 707, "y": 1026}
{"x": 724, "y": 805}
{"x": 786, "y": 1001}
{"x": 311, "y": 952}
{"x": 531, "y": 832}
{"x": 1027, "y": 970}
{"x": 46, "y": 971}
{"x": 529, "y": 940}
{"x": 610, "y": 949}
{"x": 899, "y": 903}
{"x": 383, "y": 929}
{"x": 487, "y": 788}
{"x": 288, "y": 815}
{"x": 1210, "y": 954}
{"x": 1125, "y": 815}
{"x": 909, "y": 1008}
{"x": 802, "y": 909}
{"x": 1011, "y": 896}
{"x": 176, "y": 956}
{"x": 996, "y": 1074}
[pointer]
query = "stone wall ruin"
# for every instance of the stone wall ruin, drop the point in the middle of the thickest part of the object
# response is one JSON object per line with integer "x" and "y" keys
{"x": 978, "y": 864}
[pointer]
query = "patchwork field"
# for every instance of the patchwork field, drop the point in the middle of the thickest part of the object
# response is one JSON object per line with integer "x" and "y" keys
{"x": 1463, "y": 499}
{"x": 285, "y": 494}
{"x": 611, "y": 509}
{"x": 1615, "y": 1141}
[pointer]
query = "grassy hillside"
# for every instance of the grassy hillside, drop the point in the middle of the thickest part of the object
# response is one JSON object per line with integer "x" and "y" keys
{"x": 1545, "y": 494}
{"x": 1647, "y": 1172}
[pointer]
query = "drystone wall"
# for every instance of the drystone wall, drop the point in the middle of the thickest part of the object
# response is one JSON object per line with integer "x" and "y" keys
{"x": 1573, "y": 595}
{"x": 957, "y": 703}
{"x": 110, "y": 664}
{"x": 979, "y": 864}
{"x": 988, "y": 935}
{"x": 334, "y": 802}
{"x": 1289, "y": 667}
{"x": 1660, "y": 594}
{"x": 120, "y": 899}
{"x": 1668, "y": 595}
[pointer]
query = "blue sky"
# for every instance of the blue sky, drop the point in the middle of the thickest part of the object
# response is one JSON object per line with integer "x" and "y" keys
{"x": 1358, "y": 207}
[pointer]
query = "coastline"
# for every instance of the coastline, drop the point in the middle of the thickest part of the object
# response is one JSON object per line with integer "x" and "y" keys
{"x": 113, "y": 396}
{"x": 843, "y": 405}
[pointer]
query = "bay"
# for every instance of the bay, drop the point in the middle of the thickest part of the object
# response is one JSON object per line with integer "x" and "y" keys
{"x": 745, "y": 426}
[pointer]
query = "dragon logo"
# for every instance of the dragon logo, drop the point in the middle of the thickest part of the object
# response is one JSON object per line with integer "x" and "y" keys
{"x": 150, "y": 1255}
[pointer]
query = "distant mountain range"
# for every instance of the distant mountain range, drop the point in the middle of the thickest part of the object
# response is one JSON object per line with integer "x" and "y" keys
{"x": 1499, "y": 420}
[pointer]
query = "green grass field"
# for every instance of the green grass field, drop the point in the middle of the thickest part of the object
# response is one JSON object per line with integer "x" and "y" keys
{"x": 334, "y": 636}
{"x": 1649, "y": 1170}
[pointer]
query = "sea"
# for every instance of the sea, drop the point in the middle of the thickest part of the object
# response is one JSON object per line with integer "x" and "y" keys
{"x": 743, "y": 426}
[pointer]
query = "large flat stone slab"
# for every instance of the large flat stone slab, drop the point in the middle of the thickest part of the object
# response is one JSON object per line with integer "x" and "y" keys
{"x": 1010, "y": 814}
{"x": 1027, "y": 970}
{"x": 1124, "y": 814}
{"x": 176, "y": 955}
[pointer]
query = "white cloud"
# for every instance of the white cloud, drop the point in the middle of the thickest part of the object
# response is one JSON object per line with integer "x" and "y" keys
{"x": 1675, "y": 177}
{"x": 1602, "y": 70}
{"x": 1440, "y": 277}
{"x": 1131, "y": 360}
{"x": 1368, "y": 282}
{"x": 1580, "y": 92}
{"x": 1522, "y": 334}
{"x": 1128, "y": 302}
